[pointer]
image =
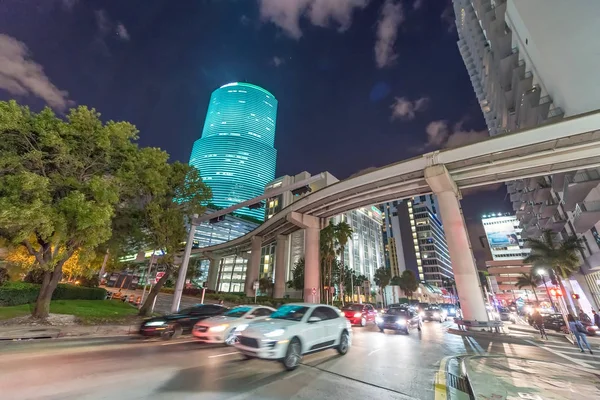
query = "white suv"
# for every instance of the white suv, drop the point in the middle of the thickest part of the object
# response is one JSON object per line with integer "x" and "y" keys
{"x": 222, "y": 328}
{"x": 294, "y": 330}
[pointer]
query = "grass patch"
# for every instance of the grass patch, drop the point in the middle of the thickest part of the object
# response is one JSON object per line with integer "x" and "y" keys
{"x": 88, "y": 311}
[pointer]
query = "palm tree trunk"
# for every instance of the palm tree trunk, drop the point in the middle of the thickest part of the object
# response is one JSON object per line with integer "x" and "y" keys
{"x": 535, "y": 294}
{"x": 342, "y": 274}
{"x": 330, "y": 272}
{"x": 564, "y": 292}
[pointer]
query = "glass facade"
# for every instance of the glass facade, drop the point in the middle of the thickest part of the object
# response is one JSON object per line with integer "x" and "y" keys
{"x": 235, "y": 154}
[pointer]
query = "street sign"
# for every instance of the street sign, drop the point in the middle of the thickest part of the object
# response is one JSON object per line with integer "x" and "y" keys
{"x": 159, "y": 275}
{"x": 205, "y": 284}
{"x": 314, "y": 291}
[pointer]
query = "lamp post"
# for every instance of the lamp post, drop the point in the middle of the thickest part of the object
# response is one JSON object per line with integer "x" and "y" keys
{"x": 541, "y": 272}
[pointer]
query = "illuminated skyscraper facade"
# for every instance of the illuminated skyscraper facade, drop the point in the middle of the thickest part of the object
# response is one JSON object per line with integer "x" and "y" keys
{"x": 235, "y": 154}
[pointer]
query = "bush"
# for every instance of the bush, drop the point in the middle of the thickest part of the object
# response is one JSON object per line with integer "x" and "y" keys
{"x": 17, "y": 293}
{"x": 4, "y": 277}
{"x": 92, "y": 282}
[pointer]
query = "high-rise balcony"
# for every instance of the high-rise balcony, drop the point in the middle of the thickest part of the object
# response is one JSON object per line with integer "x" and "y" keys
{"x": 511, "y": 188}
{"x": 556, "y": 223}
{"x": 586, "y": 215}
{"x": 548, "y": 209}
{"x": 578, "y": 186}
{"x": 516, "y": 196}
{"x": 526, "y": 196}
{"x": 542, "y": 222}
{"x": 542, "y": 194}
{"x": 558, "y": 181}
{"x": 518, "y": 205}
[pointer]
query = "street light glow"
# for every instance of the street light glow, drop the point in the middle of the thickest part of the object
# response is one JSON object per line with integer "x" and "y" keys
{"x": 541, "y": 271}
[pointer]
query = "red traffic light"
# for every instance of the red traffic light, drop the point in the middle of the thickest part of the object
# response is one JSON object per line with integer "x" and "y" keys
{"x": 575, "y": 296}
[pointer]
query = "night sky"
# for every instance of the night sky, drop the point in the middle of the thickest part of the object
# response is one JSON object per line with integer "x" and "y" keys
{"x": 360, "y": 83}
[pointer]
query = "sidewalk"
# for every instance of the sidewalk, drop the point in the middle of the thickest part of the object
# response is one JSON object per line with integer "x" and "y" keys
{"x": 529, "y": 329}
{"x": 16, "y": 332}
{"x": 499, "y": 378}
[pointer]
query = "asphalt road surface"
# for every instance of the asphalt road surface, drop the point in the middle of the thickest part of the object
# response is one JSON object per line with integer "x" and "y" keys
{"x": 381, "y": 366}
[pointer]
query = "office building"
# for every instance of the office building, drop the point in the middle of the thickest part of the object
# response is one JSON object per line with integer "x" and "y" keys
{"x": 415, "y": 240}
{"x": 235, "y": 154}
{"x": 532, "y": 62}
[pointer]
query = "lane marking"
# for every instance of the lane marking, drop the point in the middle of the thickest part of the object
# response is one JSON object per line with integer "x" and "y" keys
{"x": 372, "y": 352}
{"x": 223, "y": 355}
{"x": 179, "y": 342}
{"x": 439, "y": 383}
{"x": 573, "y": 360}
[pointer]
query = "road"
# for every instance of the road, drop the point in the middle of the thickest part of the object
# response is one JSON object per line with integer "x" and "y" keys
{"x": 382, "y": 366}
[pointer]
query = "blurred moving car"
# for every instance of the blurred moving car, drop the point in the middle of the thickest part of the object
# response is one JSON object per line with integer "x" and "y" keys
{"x": 557, "y": 322}
{"x": 399, "y": 319}
{"x": 505, "y": 314}
{"x": 451, "y": 310}
{"x": 223, "y": 328}
{"x": 294, "y": 330}
{"x": 433, "y": 313}
{"x": 360, "y": 314}
{"x": 172, "y": 325}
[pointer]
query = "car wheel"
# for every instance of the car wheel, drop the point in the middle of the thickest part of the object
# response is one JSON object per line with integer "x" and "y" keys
{"x": 344, "y": 343}
{"x": 230, "y": 338}
{"x": 363, "y": 321}
{"x": 173, "y": 332}
{"x": 293, "y": 355}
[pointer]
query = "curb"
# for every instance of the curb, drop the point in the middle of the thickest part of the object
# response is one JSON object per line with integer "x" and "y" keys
{"x": 485, "y": 335}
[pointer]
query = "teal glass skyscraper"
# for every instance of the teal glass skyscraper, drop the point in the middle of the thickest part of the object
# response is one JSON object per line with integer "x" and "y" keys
{"x": 235, "y": 154}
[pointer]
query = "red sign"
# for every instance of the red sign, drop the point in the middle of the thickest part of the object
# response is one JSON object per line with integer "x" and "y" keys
{"x": 314, "y": 291}
{"x": 159, "y": 275}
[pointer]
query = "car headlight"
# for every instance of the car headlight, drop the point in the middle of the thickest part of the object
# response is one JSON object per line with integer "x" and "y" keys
{"x": 452, "y": 310}
{"x": 241, "y": 328}
{"x": 275, "y": 333}
{"x": 357, "y": 315}
{"x": 401, "y": 322}
{"x": 378, "y": 319}
{"x": 436, "y": 315}
{"x": 155, "y": 323}
{"x": 218, "y": 328}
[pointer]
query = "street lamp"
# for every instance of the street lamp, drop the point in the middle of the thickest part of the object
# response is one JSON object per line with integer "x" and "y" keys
{"x": 542, "y": 272}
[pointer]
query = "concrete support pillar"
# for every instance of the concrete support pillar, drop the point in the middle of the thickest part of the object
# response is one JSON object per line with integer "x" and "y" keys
{"x": 253, "y": 265}
{"x": 461, "y": 256}
{"x": 312, "y": 228}
{"x": 213, "y": 272}
{"x": 280, "y": 266}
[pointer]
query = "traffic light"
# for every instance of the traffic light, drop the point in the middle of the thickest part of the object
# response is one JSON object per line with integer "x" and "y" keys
{"x": 575, "y": 296}
{"x": 555, "y": 292}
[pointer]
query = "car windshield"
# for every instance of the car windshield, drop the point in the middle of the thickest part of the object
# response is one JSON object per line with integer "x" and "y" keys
{"x": 398, "y": 311}
{"x": 290, "y": 312}
{"x": 237, "y": 312}
{"x": 353, "y": 307}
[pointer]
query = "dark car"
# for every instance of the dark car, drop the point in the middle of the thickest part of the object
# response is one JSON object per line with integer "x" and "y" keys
{"x": 433, "y": 313}
{"x": 359, "y": 314}
{"x": 399, "y": 319}
{"x": 557, "y": 323}
{"x": 173, "y": 325}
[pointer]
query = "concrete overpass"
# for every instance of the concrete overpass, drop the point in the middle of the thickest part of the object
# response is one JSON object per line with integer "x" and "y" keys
{"x": 571, "y": 144}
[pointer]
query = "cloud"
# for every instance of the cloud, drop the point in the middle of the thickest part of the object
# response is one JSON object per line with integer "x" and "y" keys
{"x": 122, "y": 32}
{"x": 286, "y": 14}
{"x": 21, "y": 76}
{"x": 439, "y": 134}
{"x": 418, "y": 4}
{"x": 390, "y": 18}
{"x": 106, "y": 26}
{"x": 448, "y": 17}
{"x": 277, "y": 61}
{"x": 406, "y": 109}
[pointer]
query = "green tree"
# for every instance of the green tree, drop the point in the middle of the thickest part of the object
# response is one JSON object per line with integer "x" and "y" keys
{"x": 408, "y": 283}
{"x": 60, "y": 181}
{"x": 343, "y": 233}
{"x": 529, "y": 281}
{"x": 327, "y": 254}
{"x": 155, "y": 214}
{"x": 382, "y": 279}
{"x": 563, "y": 258}
{"x": 265, "y": 285}
{"x": 297, "y": 281}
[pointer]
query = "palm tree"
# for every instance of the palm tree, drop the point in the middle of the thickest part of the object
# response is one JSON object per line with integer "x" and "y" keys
{"x": 529, "y": 280}
{"x": 408, "y": 283}
{"x": 343, "y": 233}
{"x": 382, "y": 279}
{"x": 265, "y": 284}
{"x": 327, "y": 245}
{"x": 562, "y": 258}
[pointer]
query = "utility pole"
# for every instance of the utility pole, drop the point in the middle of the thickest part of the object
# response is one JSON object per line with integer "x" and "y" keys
{"x": 184, "y": 266}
